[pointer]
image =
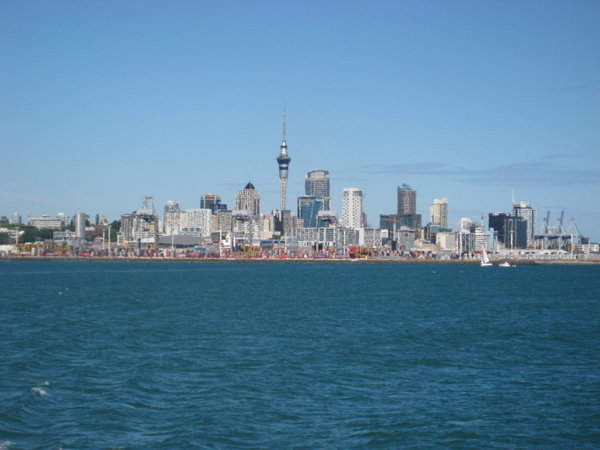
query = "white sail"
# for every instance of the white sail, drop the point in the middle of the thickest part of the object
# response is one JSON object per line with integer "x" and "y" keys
{"x": 485, "y": 260}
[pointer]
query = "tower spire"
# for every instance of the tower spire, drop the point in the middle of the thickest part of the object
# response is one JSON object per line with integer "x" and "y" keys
{"x": 284, "y": 113}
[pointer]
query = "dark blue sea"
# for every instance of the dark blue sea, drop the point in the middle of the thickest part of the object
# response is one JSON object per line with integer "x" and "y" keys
{"x": 200, "y": 355}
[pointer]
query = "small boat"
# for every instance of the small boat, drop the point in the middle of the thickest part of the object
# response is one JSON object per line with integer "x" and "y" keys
{"x": 485, "y": 260}
{"x": 505, "y": 264}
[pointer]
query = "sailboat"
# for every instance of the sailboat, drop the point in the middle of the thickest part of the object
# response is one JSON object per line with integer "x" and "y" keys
{"x": 485, "y": 260}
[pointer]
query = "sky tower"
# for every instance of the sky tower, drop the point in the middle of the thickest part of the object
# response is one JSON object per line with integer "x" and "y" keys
{"x": 283, "y": 160}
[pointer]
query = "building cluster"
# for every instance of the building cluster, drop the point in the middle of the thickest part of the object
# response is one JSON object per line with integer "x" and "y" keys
{"x": 313, "y": 227}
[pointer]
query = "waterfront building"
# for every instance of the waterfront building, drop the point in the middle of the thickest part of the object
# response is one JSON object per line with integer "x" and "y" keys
{"x": 196, "y": 222}
{"x": 47, "y": 222}
{"x": 309, "y": 208}
{"x": 63, "y": 236}
{"x": 370, "y": 237}
{"x": 352, "y": 208}
{"x": 248, "y": 200}
{"x": 438, "y": 212}
{"x": 527, "y": 213}
{"x": 141, "y": 226}
{"x": 405, "y": 238}
{"x": 316, "y": 184}
{"x": 212, "y": 202}
{"x": 446, "y": 241}
{"x": 283, "y": 161}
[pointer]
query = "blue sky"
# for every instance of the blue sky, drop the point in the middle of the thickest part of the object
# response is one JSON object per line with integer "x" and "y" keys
{"x": 102, "y": 103}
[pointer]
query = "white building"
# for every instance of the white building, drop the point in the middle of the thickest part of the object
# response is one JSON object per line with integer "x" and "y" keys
{"x": 526, "y": 211}
{"x": 446, "y": 241}
{"x": 46, "y": 222}
{"x": 172, "y": 219}
{"x": 195, "y": 222}
{"x": 352, "y": 208}
{"x": 80, "y": 222}
{"x": 438, "y": 212}
{"x": 369, "y": 237}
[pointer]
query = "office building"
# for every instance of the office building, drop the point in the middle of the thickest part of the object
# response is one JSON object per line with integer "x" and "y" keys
{"x": 212, "y": 202}
{"x": 141, "y": 226}
{"x": 248, "y": 200}
{"x": 316, "y": 184}
{"x": 525, "y": 211}
{"x": 352, "y": 208}
{"x": 309, "y": 208}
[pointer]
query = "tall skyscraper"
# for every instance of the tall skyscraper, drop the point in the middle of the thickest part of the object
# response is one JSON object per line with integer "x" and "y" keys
{"x": 284, "y": 161}
{"x": 407, "y": 200}
{"x": 438, "y": 212}
{"x": 407, "y": 207}
{"x": 316, "y": 184}
{"x": 248, "y": 200}
{"x": 527, "y": 213}
{"x": 352, "y": 208}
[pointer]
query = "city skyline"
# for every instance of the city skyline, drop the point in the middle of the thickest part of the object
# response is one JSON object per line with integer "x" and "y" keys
{"x": 103, "y": 104}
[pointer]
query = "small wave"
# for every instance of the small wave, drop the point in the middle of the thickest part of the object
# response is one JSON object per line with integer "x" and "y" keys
{"x": 6, "y": 445}
{"x": 39, "y": 390}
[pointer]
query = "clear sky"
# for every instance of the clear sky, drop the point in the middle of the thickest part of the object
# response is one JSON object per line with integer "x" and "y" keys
{"x": 102, "y": 103}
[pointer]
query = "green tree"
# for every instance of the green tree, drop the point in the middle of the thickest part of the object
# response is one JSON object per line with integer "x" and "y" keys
{"x": 114, "y": 229}
{"x": 31, "y": 234}
{"x": 45, "y": 233}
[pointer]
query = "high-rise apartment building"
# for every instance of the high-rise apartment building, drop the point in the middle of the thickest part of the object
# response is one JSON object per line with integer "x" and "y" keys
{"x": 527, "y": 213}
{"x": 438, "y": 212}
{"x": 352, "y": 208}
{"x": 316, "y": 184}
{"x": 248, "y": 200}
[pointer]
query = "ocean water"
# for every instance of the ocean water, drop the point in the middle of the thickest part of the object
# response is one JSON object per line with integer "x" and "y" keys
{"x": 153, "y": 355}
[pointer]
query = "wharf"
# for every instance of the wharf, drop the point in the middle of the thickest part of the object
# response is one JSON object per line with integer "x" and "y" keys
{"x": 374, "y": 260}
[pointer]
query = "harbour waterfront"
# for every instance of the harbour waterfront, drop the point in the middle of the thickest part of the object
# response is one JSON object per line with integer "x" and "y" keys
{"x": 318, "y": 355}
